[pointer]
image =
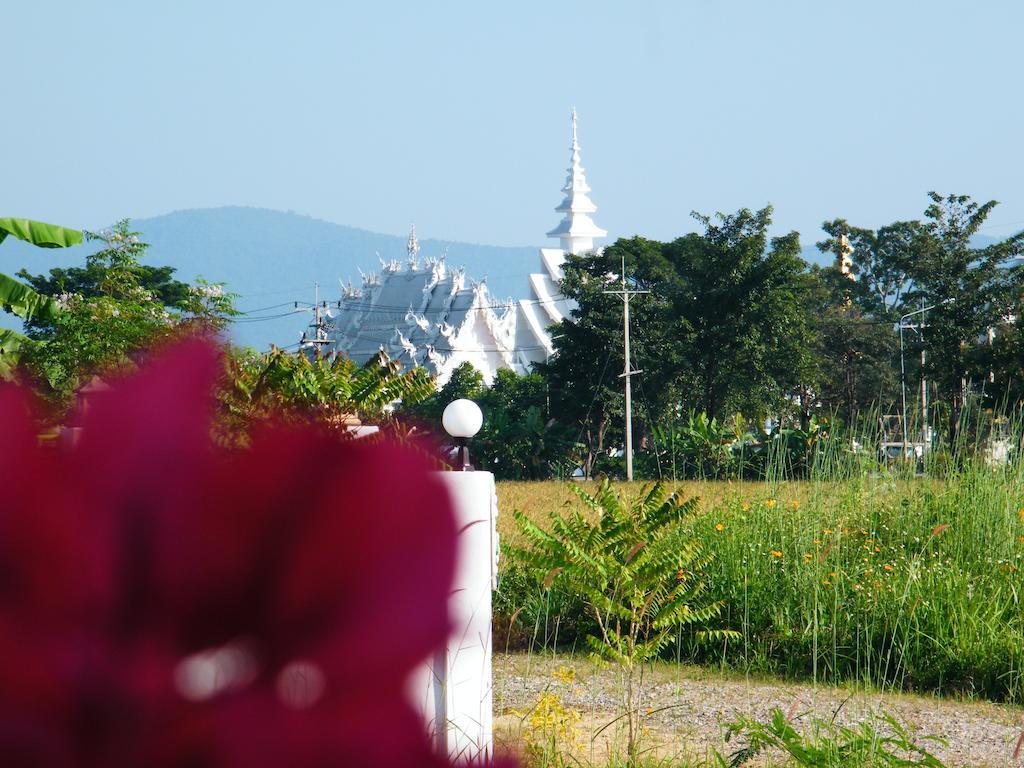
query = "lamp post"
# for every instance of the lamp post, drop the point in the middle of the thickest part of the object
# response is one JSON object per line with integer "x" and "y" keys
{"x": 903, "y": 371}
{"x": 462, "y": 419}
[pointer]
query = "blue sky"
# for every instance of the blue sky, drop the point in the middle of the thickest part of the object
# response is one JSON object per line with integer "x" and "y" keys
{"x": 454, "y": 115}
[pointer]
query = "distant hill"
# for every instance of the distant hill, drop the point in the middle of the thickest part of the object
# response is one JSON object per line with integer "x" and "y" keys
{"x": 273, "y": 258}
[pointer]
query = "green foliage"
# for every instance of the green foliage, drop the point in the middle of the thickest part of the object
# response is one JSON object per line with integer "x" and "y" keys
{"x": 332, "y": 391}
{"x": 969, "y": 288}
{"x": 636, "y": 565}
{"x": 827, "y": 744}
{"x": 19, "y": 299}
{"x": 519, "y": 439}
{"x": 115, "y": 317}
{"x": 726, "y": 327}
{"x": 39, "y": 234}
{"x": 908, "y": 266}
{"x": 882, "y": 261}
{"x": 465, "y": 382}
{"x": 700, "y": 447}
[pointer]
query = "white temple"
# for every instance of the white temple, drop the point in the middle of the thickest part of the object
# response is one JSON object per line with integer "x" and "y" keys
{"x": 425, "y": 313}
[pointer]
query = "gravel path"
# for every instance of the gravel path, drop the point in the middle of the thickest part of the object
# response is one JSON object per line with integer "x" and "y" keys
{"x": 697, "y": 703}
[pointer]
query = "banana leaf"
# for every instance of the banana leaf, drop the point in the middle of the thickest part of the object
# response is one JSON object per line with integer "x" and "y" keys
{"x": 11, "y": 344}
{"x": 39, "y": 233}
{"x": 19, "y": 299}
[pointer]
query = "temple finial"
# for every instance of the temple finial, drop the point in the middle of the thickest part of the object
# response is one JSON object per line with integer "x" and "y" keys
{"x": 413, "y": 245}
{"x": 577, "y": 230}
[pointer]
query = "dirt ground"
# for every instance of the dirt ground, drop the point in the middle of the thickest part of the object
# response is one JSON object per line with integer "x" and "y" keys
{"x": 689, "y": 706}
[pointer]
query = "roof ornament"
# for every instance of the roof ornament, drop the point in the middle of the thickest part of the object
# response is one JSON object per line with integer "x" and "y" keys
{"x": 576, "y": 231}
{"x": 412, "y": 247}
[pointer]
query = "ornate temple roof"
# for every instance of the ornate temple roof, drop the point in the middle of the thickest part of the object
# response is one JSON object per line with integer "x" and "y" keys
{"x": 424, "y": 313}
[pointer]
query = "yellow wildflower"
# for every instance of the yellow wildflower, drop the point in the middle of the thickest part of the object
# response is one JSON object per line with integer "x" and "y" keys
{"x": 808, "y": 556}
{"x": 827, "y": 531}
{"x": 770, "y": 503}
{"x": 776, "y": 553}
{"x": 719, "y": 527}
{"x": 680, "y": 574}
{"x": 566, "y": 674}
{"x": 887, "y": 567}
{"x": 826, "y": 582}
{"x": 746, "y": 506}
{"x": 795, "y": 504}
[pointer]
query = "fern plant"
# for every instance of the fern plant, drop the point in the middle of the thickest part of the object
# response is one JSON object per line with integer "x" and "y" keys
{"x": 829, "y": 745}
{"x": 639, "y": 570}
{"x": 331, "y": 390}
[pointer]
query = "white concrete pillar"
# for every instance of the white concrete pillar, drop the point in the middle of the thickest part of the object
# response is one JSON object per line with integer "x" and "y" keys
{"x": 453, "y": 690}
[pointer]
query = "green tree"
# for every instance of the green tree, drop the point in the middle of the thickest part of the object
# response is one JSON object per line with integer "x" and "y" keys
{"x": 739, "y": 315}
{"x": 520, "y": 439}
{"x": 856, "y": 348}
{"x": 968, "y": 288}
{"x": 116, "y": 319}
{"x": 882, "y": 260}
{"x": 465, "y": 382}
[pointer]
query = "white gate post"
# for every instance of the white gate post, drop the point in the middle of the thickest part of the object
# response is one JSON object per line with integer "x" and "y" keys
{"x": 453, "y": 689}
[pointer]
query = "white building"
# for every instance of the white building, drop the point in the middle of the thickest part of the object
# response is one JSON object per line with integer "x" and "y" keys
{"x": 425, "y": 313}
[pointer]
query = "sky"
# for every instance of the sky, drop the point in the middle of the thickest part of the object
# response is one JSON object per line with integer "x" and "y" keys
{"x": 455, "y": 115}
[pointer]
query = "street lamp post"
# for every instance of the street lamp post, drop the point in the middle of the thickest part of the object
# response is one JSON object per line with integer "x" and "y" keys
{"x": 462, "y": 419}
{"x": 903, "y": 371}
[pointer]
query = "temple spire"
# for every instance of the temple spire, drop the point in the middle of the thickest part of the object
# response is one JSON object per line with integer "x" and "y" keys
{"x": 577, "y": 230}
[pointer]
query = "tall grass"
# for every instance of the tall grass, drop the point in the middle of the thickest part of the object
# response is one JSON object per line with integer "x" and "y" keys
{"x": 857, "y": 573}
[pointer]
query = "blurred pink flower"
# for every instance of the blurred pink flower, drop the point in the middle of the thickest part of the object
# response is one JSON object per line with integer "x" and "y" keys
{"x": 166, "y": 603}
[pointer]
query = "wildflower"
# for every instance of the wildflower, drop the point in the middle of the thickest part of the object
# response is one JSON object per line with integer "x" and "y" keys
{"x": 719, "y": 527}
{"x": 826, "y": 582}
{"x": 148, "y": 554}
{"x": 827, "y": 531}
{"x": 1020, "y": 539}
{"x": 808, "y": 556}
{"x": 887, "y": 567}
{"x": 878, "y": 549}
{"x": 680, "y": 574}
{"x": 770, "y": 503}
{"x": 794, "y": 504}
{"x": 566, "y": 674}
{"x": 775, "y": 553}
{"x": 746, "y": 506}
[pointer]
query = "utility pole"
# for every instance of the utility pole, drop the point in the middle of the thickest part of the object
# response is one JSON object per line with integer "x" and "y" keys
{"x": 627, "y": 370}
{"x": 919, "y": 328}
{"x": 319, "y": 327}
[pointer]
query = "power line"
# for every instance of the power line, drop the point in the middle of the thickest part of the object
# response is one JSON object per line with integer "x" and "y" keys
{"x": 394, "y": 308}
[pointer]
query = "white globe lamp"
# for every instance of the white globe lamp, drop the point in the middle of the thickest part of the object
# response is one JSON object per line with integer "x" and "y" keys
{"x": 462, "y": 419}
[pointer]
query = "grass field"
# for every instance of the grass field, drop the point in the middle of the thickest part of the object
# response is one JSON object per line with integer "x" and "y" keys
{"x": 898, "y": 583}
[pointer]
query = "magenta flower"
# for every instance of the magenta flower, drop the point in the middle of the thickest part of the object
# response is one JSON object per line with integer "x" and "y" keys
{"x": 166, "y": 603}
